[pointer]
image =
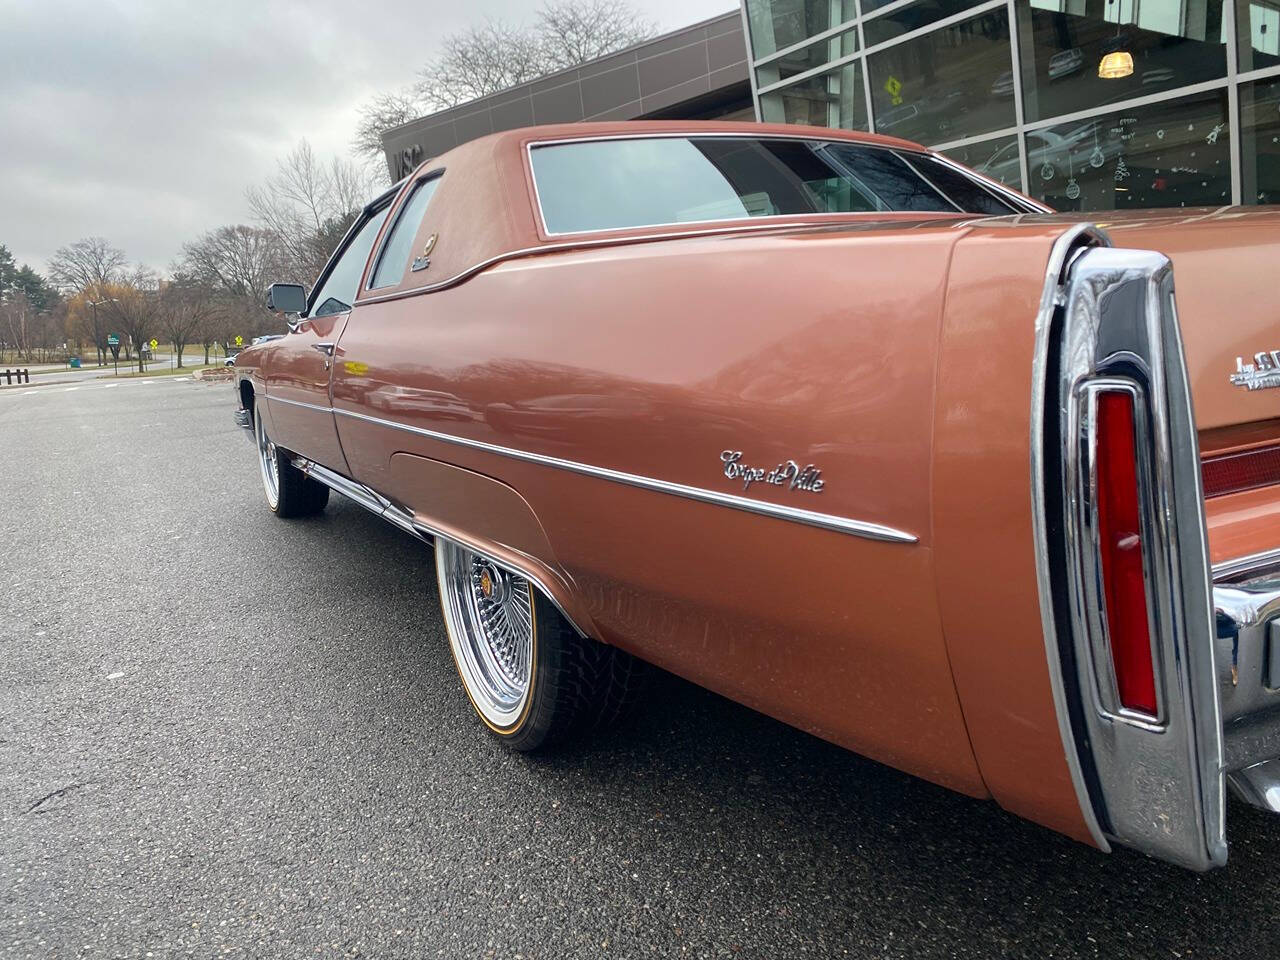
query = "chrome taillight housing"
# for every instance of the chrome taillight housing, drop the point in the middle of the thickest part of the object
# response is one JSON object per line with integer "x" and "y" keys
{"x": 1124, "y": 572}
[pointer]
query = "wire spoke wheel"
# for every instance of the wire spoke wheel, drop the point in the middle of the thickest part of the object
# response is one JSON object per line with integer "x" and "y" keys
{"x": 489, "y": 612}
{"x": 267, "y": 461}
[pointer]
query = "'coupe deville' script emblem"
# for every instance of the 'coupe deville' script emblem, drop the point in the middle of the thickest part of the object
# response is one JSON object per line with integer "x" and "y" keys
{"x": 1264, "y": 372}
{"x": 788, "y": 474}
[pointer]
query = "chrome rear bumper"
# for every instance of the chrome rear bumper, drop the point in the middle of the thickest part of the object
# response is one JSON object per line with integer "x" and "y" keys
{"x": 1247, "y": 655}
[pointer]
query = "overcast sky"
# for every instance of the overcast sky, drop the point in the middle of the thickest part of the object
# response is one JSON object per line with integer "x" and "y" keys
{"x": 144, "y": 122}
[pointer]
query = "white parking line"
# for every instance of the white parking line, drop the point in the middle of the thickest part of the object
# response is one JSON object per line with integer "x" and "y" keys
{"x": 108, "y": 386}
{"x": 26, "y": 392}
{"x": 69, "y": 389}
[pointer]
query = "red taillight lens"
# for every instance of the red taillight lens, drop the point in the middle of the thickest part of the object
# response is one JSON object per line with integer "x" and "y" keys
{"x": 1120, "y": 536}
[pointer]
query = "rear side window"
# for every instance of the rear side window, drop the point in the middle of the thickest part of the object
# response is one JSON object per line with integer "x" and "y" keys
{"x": 651, "y": 181}
{"x": 395, "y": 251}
{"x": 969, "y": 194}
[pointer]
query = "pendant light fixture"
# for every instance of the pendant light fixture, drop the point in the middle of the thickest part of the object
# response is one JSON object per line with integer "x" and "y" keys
{"x": 1116, "y": 63}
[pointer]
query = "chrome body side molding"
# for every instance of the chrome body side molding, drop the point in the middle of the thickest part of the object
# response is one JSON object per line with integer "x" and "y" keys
{"x": 398, "y": 516}
{"x": 1155, "y": 781}
{"x": 826, "y": 521}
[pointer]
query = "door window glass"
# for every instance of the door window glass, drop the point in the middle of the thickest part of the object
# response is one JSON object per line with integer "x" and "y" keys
{"x": 338, "y": 291}
{"x": 395, "y": 252}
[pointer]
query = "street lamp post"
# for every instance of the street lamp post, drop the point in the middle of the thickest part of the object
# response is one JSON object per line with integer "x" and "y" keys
{"x": 115, "y": 354}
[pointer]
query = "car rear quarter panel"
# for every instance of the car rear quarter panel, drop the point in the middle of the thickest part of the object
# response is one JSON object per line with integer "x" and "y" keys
{"x": 982, "y": 516}
{"x": 817, "y": 346}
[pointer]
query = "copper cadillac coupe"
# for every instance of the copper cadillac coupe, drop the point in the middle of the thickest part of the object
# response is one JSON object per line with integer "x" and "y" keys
{"x": 833, "y": 426}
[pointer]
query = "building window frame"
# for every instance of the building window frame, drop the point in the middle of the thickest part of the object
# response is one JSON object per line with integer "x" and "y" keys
{"x": 1231, "y": 82}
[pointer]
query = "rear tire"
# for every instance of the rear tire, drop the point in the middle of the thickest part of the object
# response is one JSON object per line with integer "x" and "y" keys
{"x": 290, "y": 492}
{"x": 533, "y": 680}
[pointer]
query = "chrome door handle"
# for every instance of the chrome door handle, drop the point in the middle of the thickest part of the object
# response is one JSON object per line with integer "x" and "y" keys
{"x": 327, "y": 349}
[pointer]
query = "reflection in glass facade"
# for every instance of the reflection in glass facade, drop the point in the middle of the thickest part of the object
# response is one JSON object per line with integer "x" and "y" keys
{"x": 778, "y": 24}
{"x": 1084, "y": 104}
{"x": 1260, "y": 140}
{"x": 831, "y": 99}
{"x": 945, "y": 83}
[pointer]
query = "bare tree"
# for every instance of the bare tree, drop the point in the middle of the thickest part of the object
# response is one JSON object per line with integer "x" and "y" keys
{"x": 480, "y": 61}
{"x": 87, "y": 322}
{"x": 132, "y": 308}
{"x": 19, "y": 323}
{"x": 305, "y": 204}
{"x": 239, "y": 260}
{"x": 576, "y": 31}
{"x": 496, "y": 55}
{"x": 183, "y": 306}
{"x": 379, "y": 114}
{"x": 87, "y": 264}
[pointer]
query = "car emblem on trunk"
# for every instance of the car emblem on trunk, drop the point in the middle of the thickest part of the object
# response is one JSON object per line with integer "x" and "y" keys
{"x": 789, "y": 473}
{"x": 1264, "y": 372}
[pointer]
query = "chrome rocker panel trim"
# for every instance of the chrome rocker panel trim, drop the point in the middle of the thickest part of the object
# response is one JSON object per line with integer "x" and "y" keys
{"x": 398, "y": 516}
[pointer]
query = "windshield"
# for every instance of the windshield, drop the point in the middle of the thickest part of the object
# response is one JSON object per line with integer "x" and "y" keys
{"x": 636, "y": 182}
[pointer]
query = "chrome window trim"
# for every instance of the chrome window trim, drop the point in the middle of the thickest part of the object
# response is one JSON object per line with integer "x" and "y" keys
{"x": 934, "y": 187}
{"x": 993, "y": 185}
{"x": 903, "y": 151}
{"x": 591, "y": 243}
{"x": 370, "y": 210}
{"x": 825, "y": 521}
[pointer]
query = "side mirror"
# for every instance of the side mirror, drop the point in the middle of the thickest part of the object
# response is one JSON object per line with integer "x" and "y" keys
{"x": 287, "y": 298}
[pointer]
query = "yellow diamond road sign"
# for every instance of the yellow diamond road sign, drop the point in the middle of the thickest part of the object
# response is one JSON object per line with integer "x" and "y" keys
{"x": 893, "y": 87}
{"x": 154, "y": 343}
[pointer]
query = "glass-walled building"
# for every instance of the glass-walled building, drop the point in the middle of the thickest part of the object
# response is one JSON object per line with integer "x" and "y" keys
{"x": 1084, "y": 104}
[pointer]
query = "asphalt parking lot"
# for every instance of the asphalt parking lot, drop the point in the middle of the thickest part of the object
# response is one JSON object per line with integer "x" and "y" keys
{"x": 225, "y": 734}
